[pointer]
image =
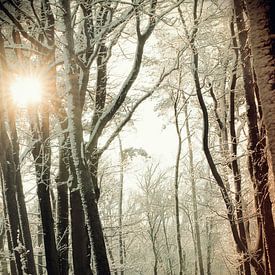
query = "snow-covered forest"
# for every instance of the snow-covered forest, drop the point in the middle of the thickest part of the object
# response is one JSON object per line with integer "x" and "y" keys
{"x": 137, "y": 137}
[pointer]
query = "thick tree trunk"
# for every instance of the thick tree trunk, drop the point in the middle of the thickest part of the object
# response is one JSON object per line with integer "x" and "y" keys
{"x": 260, "y": 35}
{"x": 258, "y": 161}
{"x": 259, "y": 12}
{"x": 81, "y": 249}
{"x": 88, "y": 196}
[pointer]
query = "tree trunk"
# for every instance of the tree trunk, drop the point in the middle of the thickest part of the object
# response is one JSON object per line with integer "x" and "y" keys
{"x": 120, "y": 210}
{"x": 176, "y": 185}
{"x": 3, "y": 260}
{"x": 209, "y": 228}
{"x": 258, "y": 162}
{"x": 81, "y": 249}
{"x": 62, "y": 217}
{"x": 234, "y": 154}
{"x": 22, "y": 210}
{"x": 8, "y": 175}
{"x": 155, "y": 258}
{"x": 41, "y": 154}
{"x": 167, "y": 246}
{"x": 260, "y": 16}
{"x": 111, "y": 256}
{"x": 12, "y": 263}
{"x": 88, "y": 196}
{"x": 39, "y": 244}
{"x": 194, "y": 193}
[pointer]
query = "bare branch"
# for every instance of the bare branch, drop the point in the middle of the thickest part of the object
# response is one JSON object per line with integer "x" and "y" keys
{"x": 22, "y": 31}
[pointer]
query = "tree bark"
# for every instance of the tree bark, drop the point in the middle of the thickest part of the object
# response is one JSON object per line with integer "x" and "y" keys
{"x": 8, "y": 171}
{"x": 22, "y": 210}
{"x": 39, "y": 235}
{"x": 42, "y": 158}
{"x": 88, "y": 196}
{"x": 81, "y": 250}
{"x": 167, "y": 246}
{"x": 258, "y": 162}
{"x": 120, "y": 209}
{"x": 194, "y": 192}
{"x": 260, "y": 16}
{"x": 176, "y": 184}
{"x": 234, "y": 146}
{"x": 62, "y": 215}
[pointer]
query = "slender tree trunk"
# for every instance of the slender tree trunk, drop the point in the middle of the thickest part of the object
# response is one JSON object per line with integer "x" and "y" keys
{"x": 100, "y": 100}
{"x": 155, "y": 258}
{"x": 209, "y": 229}
{"x": 111, "y": 256}
{"x": 62, "y": 219}
{"x": 194, "y": 193}
{"x": 12, "y": 263}
{"x": 8, "y": 173}
{"x": 216, "y": 175}
{"x": 42, "y": 157}
{"x": 176, "y": 185}
{"x": 39, "y": 244}
{"x": 120, "y": 209}
{"x": 12, "y": 157}
{"x": 3, "y": 260}
{"x": 234, "y": 162}
{"x": 167, "y": 247}
{"x": 22, "y": 210}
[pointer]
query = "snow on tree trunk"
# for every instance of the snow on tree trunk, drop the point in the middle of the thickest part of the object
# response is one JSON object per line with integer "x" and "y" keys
{"x": 87, "y": 193}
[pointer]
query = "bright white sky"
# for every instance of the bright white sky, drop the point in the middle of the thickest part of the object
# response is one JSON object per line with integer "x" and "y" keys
{"x": 158, "y": 141}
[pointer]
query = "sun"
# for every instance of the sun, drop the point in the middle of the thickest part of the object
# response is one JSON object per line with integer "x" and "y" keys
{"x": 26, "y": 90}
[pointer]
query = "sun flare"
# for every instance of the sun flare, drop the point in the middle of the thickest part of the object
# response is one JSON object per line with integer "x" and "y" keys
{"x": 26, "y": 90}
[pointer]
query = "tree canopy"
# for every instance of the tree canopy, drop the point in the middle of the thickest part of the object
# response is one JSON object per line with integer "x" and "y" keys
{"x": 137, "y": 137}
